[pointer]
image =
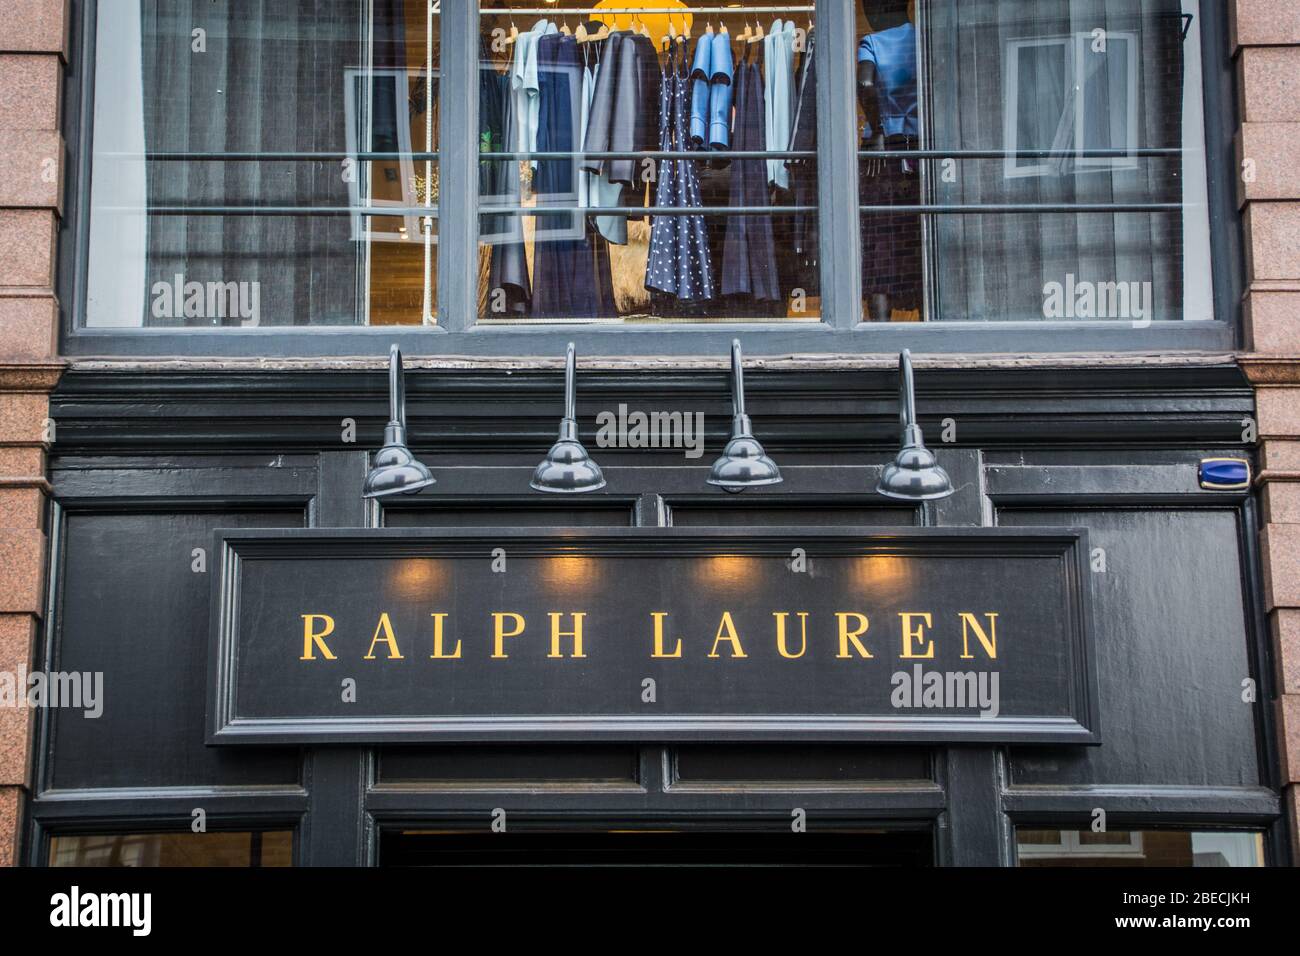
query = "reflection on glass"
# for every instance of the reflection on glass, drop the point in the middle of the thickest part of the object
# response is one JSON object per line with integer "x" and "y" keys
{"x": 1092, "y": 118}
{"x": 266, "y": 164}
{"x": 696, "y": 132}
{"x": 273, "y": 848}
{"x": 1180, "y": 848}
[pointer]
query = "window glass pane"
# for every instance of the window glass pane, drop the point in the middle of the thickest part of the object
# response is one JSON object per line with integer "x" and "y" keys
{"x": 264, "y": 164}
{"x": 174, "y": 849}
{"x": 580, "y": 111}
{"x": 1043, "y": 847}
{"x": 1078, "y": 125}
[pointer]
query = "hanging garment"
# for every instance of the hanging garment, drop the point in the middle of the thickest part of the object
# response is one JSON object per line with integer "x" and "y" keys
{"x": 679, "y": 263}
{"x": 524, "y": 83}
{"x": 499, "y": 186}
{"x": 749, "y": 252}
{"x": 622, "y": 107}
{"x": 803, "y": 173}
{"x": 893, "y": 53}
{"x": 595, "y": 188}
{"x": 622, "y": 118}
{"x": 568, "y": 281}
{"x": 711, "y": 91}
{"x": 891, "y": 242}
{"x": 701, "y": 74}
{"x": 778, "y": 91}
{"x": 720, "y": 92}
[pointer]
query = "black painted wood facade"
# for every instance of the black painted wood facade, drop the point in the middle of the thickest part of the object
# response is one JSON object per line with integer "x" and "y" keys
{"x": 150, "y": 459}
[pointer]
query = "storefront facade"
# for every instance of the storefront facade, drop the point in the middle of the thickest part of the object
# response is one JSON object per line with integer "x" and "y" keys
{"x": 226, "y": 216}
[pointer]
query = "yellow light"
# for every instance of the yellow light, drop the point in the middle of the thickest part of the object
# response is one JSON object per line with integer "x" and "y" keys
{"x": 729, "y": 571}
{"x": 570, "y": 571}
{"x": 418, "y": 577}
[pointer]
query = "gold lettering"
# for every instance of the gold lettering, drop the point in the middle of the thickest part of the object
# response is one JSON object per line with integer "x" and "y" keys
{"x": 780, "y": 634}
{"x": 499, "y": 632}
{"x": 437, "y": 640}
{"x": 846, "y": 635}
{"x": 386, "y": 627}
{"x": 576, "y": 634}
{"x": 728, "y": 626}
{"x": 311, "y": 638}
{"x": 659, "y": 636}
{"x": 989, "y": 640}
{"x": 912, "y": 633}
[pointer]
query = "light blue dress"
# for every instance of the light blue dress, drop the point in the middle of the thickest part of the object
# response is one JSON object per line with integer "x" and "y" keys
{"x": 778, "y": 91}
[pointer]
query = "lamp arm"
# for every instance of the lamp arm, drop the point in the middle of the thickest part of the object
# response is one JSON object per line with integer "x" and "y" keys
{"x": 737, "y": 380}
{"x": 570, "y": 387}
{"x": 396, "y": 388}
{"x": 906, "y": 391}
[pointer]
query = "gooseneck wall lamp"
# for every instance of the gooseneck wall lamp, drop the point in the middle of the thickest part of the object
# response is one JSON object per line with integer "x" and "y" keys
{"x": 914, "y": 474}
{"x": 567, "y": 468}
{"x": 394, "y": 470}
{"x": 744, "y": 463}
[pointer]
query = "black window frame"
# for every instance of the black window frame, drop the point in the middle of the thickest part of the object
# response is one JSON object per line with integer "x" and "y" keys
{"x": 840, "y": 330}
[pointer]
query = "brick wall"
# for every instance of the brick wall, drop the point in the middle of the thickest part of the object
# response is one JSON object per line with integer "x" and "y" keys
{"x": 1266, "y": 38}
{"x": 32, "y": 51}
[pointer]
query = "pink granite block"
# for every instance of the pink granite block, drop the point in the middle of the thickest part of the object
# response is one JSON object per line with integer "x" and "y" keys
{"x": 1269, "y": 84}
{"x": 1280, "y": 544}
{"x": 29, "y": 328}
{"x": 1272, "y": 322}
{"x": 1277, "y": 410}
{"x": 22, "y": 571}
{"x": 33, "y": 164}
{"x": 1285, "y": 627}
{"x": 11, "y": 803}
{"x": 36, "y": 26}
{"x": 1288, "y": 713}
{"x": 30, "y": 91}
{"x": 1282, "y": 502}
{"x": 23, "y": 417}
{"x": 17, "y": 642}
{"x": 1280, "y": 456}
{"x": 27, "y": 247}
{"x": 22, "y": 508}
{"x": 1264, "y": 22}
{"x": 1266, "y": 163}
{"x": 1273, "y": 240}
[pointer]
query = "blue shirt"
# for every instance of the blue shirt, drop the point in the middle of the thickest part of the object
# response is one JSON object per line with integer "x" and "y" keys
{"x": 893, "y": 52}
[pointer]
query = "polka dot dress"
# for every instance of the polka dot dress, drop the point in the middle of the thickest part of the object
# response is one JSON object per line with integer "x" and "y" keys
{"x": 679, "y": 263}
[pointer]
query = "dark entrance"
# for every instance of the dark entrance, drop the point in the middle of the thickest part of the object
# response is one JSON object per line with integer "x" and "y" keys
{"x": 657, "y": 847}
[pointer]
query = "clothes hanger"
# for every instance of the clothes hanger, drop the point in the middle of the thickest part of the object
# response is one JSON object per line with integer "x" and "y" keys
{"x": 758, "y": 32}
{"x": 744, "y": 34}
{"x": 514, "y": 32}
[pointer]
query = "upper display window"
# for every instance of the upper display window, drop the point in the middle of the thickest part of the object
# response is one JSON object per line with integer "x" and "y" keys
{"x": 645, "y": 163}
{"x": 1031, "y": 160}
{"x": 654, "y": 164}
{"x": 264, "y": 164}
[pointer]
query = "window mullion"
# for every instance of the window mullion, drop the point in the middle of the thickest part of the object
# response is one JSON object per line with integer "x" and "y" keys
{"x": 458, "y": 165}
{"x": 837, "y": 173}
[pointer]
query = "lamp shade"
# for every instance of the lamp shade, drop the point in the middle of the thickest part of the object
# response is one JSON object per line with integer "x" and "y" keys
{"x": 914, "y": 474}
{"x": 744, "y": 463}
